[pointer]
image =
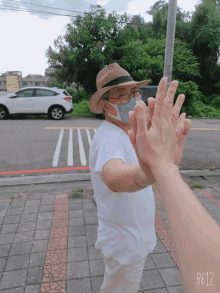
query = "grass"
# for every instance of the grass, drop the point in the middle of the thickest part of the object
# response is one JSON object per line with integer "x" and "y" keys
{"x": 76, "y": 194}
{"x": 198, "y": 186}
{"x": 80, "y": 192}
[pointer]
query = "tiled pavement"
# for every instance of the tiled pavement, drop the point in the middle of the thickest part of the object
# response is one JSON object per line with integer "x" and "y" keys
{"x": 47, "y": 245}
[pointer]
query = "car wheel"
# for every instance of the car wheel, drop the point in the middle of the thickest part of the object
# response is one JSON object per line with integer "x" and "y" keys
{"x": 56, "y": 113}
{"x": 3, "y": 113}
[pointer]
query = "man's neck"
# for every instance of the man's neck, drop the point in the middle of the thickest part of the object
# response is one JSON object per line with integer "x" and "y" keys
{"x": 122, "y": 127}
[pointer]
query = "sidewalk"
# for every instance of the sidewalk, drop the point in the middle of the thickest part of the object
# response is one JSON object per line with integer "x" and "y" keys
{"x": 47, "y": 240}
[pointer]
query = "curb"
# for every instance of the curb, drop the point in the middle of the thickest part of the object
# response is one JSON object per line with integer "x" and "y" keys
{"x": 75, "y": 177}
{"x": 44, "y": 179}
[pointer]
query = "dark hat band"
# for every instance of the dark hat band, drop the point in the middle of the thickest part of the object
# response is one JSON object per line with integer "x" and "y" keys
{"x": 118, "y": 80}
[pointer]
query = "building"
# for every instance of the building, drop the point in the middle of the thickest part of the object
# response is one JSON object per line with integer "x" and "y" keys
{"x": 29, "y": 80}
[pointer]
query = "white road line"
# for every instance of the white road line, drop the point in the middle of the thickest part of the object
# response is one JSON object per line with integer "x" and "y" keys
{"x": 57, "y": 151}
{"x": 81, "y": 149}
{"x": 70, "y": 149}
{"x": 89, "y": 137}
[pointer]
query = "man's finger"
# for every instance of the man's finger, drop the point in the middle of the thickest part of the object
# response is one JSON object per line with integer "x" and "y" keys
{"x": 146, "y": 111}
{"x": 131, "y": 131}
{"x": 140, "y": 118}
{"x": 187, "y": 126}
{"x": 131, "y": 118}
{"x": 151, "y": 104}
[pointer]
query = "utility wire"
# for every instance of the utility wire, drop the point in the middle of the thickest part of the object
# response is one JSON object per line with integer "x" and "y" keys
{"x": 37, "y": 11}
{"x": 53, "y": 13}
{"x": 47, "y": 6}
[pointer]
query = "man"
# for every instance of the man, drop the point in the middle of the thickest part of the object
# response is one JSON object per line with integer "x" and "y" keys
{"x": 123, "y": 192}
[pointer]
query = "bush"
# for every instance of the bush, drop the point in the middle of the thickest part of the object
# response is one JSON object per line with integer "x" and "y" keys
{"x": 216, "y": 102}
{"x": 55, "y": 84}
{"x": 196, "y": 104}
{"x": 82, "y": 109}
{"x": 80, "y": 96}
{"x": 198, "y": 109}
{"x": 200, "y": 97}
{"x": 190, "y": 90}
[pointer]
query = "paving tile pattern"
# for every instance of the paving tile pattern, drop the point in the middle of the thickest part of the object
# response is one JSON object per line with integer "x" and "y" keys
{"x": 54, "y": 275}
{"x": 47, "y": 244}
{"x": 161, "y": 225}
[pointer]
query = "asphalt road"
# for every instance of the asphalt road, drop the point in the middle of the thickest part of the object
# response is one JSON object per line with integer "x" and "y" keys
{"x": 26, "y": 144}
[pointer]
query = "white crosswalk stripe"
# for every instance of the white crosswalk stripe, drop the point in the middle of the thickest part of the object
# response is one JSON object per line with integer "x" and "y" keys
{"x": 70, "y": 147}
{"x": 89, "y": 137}
{"x": 57, "y": 151}
{"x": 81, "y": 149}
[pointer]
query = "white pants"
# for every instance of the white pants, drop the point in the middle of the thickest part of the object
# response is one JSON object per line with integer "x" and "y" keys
{"x": 122, "y": 278}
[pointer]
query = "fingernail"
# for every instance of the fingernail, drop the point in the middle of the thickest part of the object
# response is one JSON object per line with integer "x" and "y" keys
{"x": 139, "y": 108}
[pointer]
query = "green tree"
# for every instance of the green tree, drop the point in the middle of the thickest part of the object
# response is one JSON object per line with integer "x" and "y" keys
{"x": 205, "y": 44}
{"x": 56, "y": 84}
{"x": 92, "y": 43}
{"x": 159, "y": 11}
{"x": 146, "y": 61}
{"x": 200, "y": 31}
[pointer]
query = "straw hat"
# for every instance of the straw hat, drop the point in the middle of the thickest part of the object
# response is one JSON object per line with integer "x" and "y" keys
{"x": 108, "y": 78}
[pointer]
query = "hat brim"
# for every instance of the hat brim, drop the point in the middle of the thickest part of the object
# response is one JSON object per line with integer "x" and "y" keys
{"x": 93, "y": 103}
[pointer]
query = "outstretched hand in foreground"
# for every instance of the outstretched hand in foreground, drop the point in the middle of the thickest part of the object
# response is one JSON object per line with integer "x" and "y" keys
{"x": 162, "y": 118}
{"x": 195, "y": 234}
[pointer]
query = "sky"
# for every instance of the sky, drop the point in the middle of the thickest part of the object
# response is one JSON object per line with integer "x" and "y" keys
{"x": 26, "y": 36}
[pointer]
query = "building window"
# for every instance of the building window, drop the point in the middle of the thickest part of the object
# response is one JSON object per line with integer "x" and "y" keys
{"x": 37, "y": 83}
{"x": 24, "y": 83}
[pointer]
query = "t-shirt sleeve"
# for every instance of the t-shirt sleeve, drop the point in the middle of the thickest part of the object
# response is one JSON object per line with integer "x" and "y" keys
{"x": 108, "y": 150}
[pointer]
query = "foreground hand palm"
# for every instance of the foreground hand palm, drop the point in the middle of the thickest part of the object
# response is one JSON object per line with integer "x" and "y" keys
{"x": 165, "y": 133}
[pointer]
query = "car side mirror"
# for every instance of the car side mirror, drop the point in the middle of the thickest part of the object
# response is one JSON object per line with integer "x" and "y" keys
{"x": 13, "y": 96}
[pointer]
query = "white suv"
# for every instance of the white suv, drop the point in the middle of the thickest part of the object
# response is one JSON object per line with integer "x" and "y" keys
{"x": 37, "y": 101}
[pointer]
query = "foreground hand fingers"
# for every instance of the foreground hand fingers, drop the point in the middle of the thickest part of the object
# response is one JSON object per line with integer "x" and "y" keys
{"x": 176, "y": 110}
{"x": 180, "y": 127}
{"x": 159, "y": 100}
{"x": 168, "y": 105}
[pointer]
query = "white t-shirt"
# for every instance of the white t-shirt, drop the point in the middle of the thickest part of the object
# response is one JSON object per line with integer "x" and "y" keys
{"x": 126, "y": 230}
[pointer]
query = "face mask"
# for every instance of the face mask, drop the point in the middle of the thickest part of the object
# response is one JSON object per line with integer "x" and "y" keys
{"x": 124, "y": 109}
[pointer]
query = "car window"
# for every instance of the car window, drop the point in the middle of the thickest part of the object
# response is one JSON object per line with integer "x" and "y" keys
{"x": 45, "y": 93}
{"x": 25, "y": 93}
{"x": 66, "y": 94}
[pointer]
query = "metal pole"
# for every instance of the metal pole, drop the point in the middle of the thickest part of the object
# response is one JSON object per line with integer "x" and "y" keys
{"x": 170, "y": 39}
